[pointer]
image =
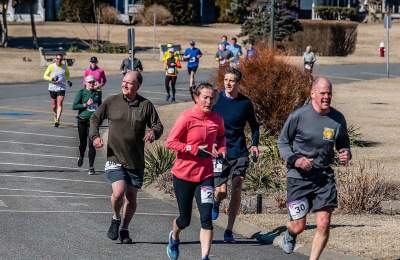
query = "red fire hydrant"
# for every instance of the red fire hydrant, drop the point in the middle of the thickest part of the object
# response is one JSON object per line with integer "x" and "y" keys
{"x": 382, "y": 49}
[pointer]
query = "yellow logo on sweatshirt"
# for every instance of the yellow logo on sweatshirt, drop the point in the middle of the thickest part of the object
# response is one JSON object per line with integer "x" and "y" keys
{"x": 328, "y": 134}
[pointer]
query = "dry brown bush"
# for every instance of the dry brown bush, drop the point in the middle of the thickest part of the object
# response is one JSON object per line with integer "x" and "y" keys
{"x": 275, "y": 86}
{"x": 108, "y": 14}
{"x": 362, "y": 187}
{"x": 328, "y": 38}
{"x": 163, "y": 15}
{"x": 164, "y": 183}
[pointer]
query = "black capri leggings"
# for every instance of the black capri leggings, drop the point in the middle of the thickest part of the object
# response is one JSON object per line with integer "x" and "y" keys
{"x": 204, "y": 194}
{"x": 170, "y": 80}
{"x": 83, "y": 130}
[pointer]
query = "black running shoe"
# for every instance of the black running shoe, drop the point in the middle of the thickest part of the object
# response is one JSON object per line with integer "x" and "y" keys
{"x": 113, "y": 230}
{"x": 80, "y": 161}
{"x": 124, "y": 237}
{"x": 91, "y": 171}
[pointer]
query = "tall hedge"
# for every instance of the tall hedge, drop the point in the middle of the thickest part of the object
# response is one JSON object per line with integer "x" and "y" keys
{"x": 182, "y": 10}
{"x": 328, "y": 38}
{"x": 78, "y": 10}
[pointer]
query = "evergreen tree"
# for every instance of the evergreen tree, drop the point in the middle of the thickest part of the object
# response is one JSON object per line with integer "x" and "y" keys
{"x": 257, "y": 26}
{"x": 238, "y": 11}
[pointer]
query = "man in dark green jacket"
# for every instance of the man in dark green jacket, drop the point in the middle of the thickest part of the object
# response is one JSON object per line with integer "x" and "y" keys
{"x": 128, "y": 116}
{"x": 86, "y": 101}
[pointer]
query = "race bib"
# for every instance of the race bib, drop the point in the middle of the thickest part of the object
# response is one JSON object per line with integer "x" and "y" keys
{"x": 192, "y": 59}
{"x": 207, "y": 194}
{"x": 298, "y": 208}
{"x": 308, "y": 66}
{"x": 112, "y": 166}
{"x": 93, "y": 107}
{"x": 171, "y": 70}
{"x": 222, "y": 62}
{"x": 217, "y": 164}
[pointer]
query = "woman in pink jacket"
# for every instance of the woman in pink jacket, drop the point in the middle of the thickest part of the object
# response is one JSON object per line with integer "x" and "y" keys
{"x": 198, "y": 136}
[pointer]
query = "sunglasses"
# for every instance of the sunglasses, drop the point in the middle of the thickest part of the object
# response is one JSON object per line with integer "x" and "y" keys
{"x": 91, "y": 82}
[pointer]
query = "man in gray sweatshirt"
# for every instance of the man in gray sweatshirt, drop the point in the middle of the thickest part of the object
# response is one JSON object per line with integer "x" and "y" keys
{"x": 307, "y": 143}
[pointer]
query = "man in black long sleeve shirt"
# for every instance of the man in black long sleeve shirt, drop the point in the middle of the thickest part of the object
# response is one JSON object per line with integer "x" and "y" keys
{"x": 307, "y": 143}
{"x": 237, "y": 110}
{"x": 128, "y": 116}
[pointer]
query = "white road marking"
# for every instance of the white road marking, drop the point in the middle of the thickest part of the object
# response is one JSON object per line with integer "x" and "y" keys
{"x": 56, "y": 192}
{"x": 62, "y": 196}
{"x": 85, "y": 212}
{"x": 53, "y": 179}
{"x": 40, "y": 155}
{"x": 37, "y": 144}
{"x": 2, "y": 204}
{"x": 340, "y": 77}
{"x": 77, "y": 204}
{"x": 29, "y": 133}
{"x": 43, "y": 166}
{"x": 378, "y": 74}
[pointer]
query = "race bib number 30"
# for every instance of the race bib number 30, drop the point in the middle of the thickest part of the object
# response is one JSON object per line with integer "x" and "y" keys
{"x": 207, "y": 194}
{"x": 298, "y": 208}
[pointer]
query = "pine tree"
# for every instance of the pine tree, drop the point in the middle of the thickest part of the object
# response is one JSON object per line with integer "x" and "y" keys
{"x": 257, "y": 26}
{"x": 238, "y": 11}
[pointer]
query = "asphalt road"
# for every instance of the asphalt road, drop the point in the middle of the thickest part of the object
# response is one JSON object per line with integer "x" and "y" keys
{"x": 51, "y": 209}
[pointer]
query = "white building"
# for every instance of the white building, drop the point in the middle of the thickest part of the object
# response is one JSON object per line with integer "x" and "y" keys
{"x": 21, "y": 13}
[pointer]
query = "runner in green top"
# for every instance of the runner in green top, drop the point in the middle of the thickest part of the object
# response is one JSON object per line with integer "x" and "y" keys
{"x": 86, "y": 101}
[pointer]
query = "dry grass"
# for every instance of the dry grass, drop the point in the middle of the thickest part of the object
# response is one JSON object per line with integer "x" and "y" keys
{"x": 373, "y": 105}
{"x": 368, "y": 39}
{"x": 372, "y": 236}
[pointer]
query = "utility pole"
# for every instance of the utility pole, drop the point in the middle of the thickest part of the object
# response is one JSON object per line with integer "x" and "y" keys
{"x": 272, "y": 30}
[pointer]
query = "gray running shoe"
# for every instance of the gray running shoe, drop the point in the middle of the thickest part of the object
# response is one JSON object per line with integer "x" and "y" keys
{"x": 288, "y": 242}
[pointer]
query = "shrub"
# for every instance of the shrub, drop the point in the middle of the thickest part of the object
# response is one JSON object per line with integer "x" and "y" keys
{"x": 182, "y": 10}
{"x": 275, "y": 87}
{"x": 362, "y": 187}
{"x": 269, "y": 171}
{"x": 158, "y": 160}
{"x": 163, "y": 16}
{"x": 336, "y": 12}
{"x": 108, "y": 14}
{"x": 78, "y": 10}
{"x": 328, "y": 38}
{"x": 164, "y": 183}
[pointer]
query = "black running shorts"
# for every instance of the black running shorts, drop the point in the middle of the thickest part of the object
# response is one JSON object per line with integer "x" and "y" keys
{"x": 55, "y": 94}
{"x": 237, "y": 167}
{"x": 319, "y": 192}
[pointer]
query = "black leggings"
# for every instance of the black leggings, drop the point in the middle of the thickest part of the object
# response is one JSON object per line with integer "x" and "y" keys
{"x": 170, "y": 80}
{"x": 83, "y": 130}
{"x": 204, "y": 194}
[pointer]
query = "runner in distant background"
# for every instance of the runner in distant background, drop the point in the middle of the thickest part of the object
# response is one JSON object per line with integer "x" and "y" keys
{"x": 192, "y": 55}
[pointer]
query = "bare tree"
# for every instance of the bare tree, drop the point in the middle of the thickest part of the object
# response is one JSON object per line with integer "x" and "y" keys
{"x": 3, "y": 23}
